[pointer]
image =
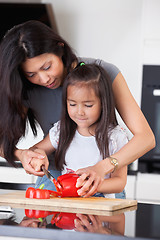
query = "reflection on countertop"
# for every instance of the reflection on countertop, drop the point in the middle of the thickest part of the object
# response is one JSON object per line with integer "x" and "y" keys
{"x": 64, "y": 221}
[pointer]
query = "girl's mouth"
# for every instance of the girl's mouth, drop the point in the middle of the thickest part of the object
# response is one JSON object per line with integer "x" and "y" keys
{"x": 81, "y": 119}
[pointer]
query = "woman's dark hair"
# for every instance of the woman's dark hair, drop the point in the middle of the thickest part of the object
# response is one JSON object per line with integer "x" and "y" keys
{"x": 94, "y": 77}
{"x": 23, "y": 41}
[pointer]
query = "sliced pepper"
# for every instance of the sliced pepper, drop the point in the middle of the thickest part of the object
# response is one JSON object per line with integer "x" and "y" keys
{"x": 64, "y": 220}
{"x": 31, "y": 213}
{"x": 66, "y": 185}
{"x": 37, "y": 193}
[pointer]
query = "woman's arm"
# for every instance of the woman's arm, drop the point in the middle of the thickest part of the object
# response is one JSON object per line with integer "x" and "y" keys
{"x": 93, "y": 183}
{"x": 143, "y": 139}
{"x": 116, "y": 183}
{"x": 100, "y": 224}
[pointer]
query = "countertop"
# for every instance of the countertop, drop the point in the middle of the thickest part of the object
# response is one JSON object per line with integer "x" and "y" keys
{"x": 139, "y": 223}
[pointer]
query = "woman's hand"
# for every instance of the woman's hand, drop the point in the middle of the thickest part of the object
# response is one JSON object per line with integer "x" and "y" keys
{"x": 37, "y": 163}
{"x": 28, "y": 157}
{"x": 90, "y": 179}
{"x": 100, "y": 224}
{"x": 89, "y": 223}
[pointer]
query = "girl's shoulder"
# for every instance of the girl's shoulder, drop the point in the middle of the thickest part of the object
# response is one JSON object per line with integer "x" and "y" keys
{"x": 54, "y": 134}
{"x": 55, "y": 128}
{"x": 117, "y": 139}
{"x": 117, "y": 132}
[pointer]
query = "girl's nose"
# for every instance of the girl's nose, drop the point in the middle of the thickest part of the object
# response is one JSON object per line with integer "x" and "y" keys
{"x": 80, "y": 111}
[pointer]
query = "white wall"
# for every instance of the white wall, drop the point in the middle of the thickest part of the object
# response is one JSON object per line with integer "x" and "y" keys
{"x": 151, "y": 34}
{"x": 106, "y": 29}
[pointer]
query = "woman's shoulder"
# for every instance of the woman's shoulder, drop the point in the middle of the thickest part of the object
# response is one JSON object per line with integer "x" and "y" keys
{"x": 110, "y": 68}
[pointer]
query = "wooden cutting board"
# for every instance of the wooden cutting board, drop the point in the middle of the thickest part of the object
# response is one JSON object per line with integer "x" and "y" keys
{"x": 90, "y": 205}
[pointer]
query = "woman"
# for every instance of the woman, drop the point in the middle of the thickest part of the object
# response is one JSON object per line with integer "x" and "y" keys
{"x": 31, "y": 86}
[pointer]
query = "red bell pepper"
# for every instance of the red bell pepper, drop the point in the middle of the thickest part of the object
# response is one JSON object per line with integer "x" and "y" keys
{"x": 31, "y": 213}
{"x": 37, "y": 193}
{"x": 66, "y": 185}
{"x": 40, "y": 193}
{"x": 64, "y": 220}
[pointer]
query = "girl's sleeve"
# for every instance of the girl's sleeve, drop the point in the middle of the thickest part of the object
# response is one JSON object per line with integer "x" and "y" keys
{"x": 54, "y": 134}
{"x": 118, "y": 138}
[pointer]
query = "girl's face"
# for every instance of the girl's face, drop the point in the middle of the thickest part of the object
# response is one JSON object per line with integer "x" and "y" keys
{"x": 46, "y": 70}
{"x": 84, "y": 108}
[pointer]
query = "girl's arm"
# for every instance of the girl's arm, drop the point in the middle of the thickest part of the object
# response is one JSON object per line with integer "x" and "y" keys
{"x": 38, "y": 152}
{"x": 143, "y": 139}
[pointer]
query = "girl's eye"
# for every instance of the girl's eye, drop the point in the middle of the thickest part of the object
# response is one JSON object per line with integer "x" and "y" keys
{"x": 89, "y": 106}
{"x": 72, "y": 104}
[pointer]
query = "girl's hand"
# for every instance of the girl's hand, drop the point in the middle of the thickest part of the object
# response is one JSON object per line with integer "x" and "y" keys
{"x": 90, "y": 180}
{"x": 25, "y": 156}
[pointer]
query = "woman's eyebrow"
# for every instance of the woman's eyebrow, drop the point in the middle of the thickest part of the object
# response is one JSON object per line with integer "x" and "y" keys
{"x": 42, "y": 66}
{"x": 39, "y": 68}
{"x": 28, "y": 72}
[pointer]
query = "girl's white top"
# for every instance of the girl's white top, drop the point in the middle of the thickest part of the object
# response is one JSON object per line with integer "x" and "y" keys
{"x": 83, "y": 151}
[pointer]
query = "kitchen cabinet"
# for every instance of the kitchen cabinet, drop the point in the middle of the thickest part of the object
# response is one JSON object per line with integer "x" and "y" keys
{"x": 143, "y": 187}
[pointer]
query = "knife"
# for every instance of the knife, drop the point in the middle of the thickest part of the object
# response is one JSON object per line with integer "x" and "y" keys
{"x": 48, "y": 174}
{"x": 50, "y": 177}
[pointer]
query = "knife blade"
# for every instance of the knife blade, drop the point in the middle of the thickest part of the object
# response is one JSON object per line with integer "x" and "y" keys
{"x": 48, "y": 174}
{"x": 50, "y": 177}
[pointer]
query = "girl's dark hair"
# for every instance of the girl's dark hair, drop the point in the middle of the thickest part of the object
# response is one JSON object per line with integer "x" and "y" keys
{"x": 94, "y": 77}
{"x": 23, "y": 41}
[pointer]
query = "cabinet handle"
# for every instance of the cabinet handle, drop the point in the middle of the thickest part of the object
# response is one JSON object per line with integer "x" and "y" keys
{"x": 156, "y": 92}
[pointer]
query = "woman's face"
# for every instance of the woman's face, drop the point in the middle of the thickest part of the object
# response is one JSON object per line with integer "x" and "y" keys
{"x": 46, "y": 70}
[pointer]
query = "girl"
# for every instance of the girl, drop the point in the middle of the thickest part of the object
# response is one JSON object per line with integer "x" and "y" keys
{"x": 88, "y": 131}
{"x": 34, "y": 62}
